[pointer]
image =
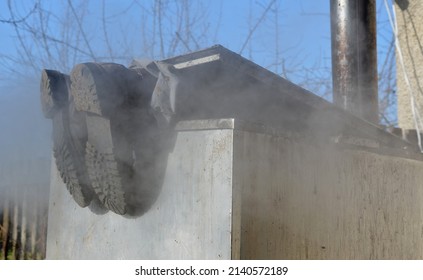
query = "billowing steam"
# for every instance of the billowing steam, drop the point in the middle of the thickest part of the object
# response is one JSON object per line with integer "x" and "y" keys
{"x": 25, "y": 148}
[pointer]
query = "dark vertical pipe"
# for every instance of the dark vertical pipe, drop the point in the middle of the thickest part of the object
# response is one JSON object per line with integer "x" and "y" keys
{"x": 354, "y": 57}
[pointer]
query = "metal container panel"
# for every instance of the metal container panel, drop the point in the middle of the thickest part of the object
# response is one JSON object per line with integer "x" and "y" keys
{"x": 242, "y": 191}
{"x": 191, "y": 218}
{"x": 305, "y": 199}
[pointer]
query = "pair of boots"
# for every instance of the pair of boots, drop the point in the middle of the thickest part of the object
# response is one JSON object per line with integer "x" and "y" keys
{"x": 106, "y": 139}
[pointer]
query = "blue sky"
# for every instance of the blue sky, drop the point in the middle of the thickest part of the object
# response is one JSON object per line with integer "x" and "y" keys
{"x": 296, "y": 33}
{"x": 303, "y": 25}
{"x": 302, "y": 42}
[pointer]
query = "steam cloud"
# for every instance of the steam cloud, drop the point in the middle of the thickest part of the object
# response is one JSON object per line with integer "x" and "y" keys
{"x": 25, "y": 144}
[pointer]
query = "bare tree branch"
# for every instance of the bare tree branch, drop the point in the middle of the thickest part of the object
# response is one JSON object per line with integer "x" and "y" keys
{"x": 20, "y": 39}
{"x": 158, "y": 9}
{"x": 106, "y": 36}
{"x": 43, "y": 32}
{"x": 16, "y": 21}
{"x": 183, "y": 41}
{"x": 84, "y": 36}
{"x": 259, "y": 21}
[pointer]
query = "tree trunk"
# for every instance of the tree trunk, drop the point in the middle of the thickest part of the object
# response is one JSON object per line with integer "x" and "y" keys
{"x": 15, "y": 228}
{"x": 23, "y": 228}
{"x": 5, "y": 229}
{"x": 33, "y": 230}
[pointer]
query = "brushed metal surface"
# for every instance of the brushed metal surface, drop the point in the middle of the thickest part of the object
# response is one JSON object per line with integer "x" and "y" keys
{"x": 305, "y": 200}
{"x": 242, "y": 193}
{"x": 190, "y": 220}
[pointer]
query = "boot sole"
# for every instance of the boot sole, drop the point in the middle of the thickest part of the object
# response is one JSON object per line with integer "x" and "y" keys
{"x": 95, "y": 93}
{"x": 67, "y": 150}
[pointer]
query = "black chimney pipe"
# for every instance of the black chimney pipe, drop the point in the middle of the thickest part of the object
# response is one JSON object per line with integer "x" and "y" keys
{"x": 354, "y": 57}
